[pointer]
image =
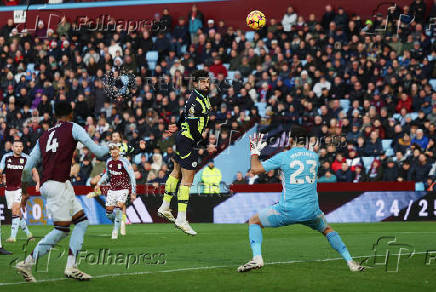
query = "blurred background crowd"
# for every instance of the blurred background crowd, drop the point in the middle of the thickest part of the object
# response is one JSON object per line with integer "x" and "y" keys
{"x": 368, "y": 81}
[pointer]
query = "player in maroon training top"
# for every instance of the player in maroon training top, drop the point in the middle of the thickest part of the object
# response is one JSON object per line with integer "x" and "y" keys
{"x": 122, "y": 180}
{"x": 11, "y": 167}
{"x": 55, "y": 149}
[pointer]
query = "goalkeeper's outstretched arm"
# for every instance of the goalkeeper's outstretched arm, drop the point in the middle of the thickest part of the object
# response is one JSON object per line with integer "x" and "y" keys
{"x": 256, "y": 146}
{"x": 255, "y": 165}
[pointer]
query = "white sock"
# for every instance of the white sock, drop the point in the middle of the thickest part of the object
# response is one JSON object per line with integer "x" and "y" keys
{"x": 181, "y": 216}
{"x": 165, "y": 205}
{"x": 258, "y": 259}
{"x": 23, "y": 226}
{"x": 14, "y": 226}
{"x": 71, "y": 261}
{"x": 29, "y": 259}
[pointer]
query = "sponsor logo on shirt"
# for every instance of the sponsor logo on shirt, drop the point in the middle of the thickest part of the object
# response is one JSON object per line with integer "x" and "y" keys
{"x": 13, "y": 166}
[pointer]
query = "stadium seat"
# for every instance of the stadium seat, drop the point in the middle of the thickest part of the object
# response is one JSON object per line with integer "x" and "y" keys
{"x": 367, "y": 162}
{"x": 262, "y": 108}
{"x": 227, "y": 66}
{"x": 249, "y": 35}
{"x": 396, "y": 116}
{"x": 345, "y": 104}
{"x": 419, "y": 187}
{"x": 230, "y": 75}
{"x": 303, "y": 62}
{"x": 386, "y": 144}
{"x": 433, "y": 83}
{"x": 154, "y": 39}
{"x": 390, "y": 152}
{"x": 30, "y": 67}
{"x": 152, "y": 57}
{"x": 413, "y": 115}
{"x": 183, "y": 49}
{"x": 200, "y": 66}
{"x": 387, "y": 147}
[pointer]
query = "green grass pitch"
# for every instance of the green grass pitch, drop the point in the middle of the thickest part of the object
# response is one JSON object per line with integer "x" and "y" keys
{"x": 298, "y": 259}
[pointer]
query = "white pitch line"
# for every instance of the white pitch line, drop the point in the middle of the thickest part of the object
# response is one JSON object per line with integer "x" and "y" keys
{"x": 196, "y": 268}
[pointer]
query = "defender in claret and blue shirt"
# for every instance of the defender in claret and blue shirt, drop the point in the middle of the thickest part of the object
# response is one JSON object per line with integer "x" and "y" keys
{"x": 299, "y": 201}
{"x": 54, "y": 149}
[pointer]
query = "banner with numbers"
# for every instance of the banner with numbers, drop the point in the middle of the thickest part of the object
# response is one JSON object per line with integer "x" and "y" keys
{"x": 344, "y": 207}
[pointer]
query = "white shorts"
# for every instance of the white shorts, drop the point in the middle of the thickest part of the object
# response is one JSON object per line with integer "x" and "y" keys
{"x": 13, "y": 197}
{"x": 114, "y": 197}
{"x": 62, "y": 203}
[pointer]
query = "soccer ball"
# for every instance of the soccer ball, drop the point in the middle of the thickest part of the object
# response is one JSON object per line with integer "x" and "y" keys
{"x": 256, "y": 20}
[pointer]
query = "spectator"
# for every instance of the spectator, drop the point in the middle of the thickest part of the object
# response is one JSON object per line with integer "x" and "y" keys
{"x": 422, "y": 168}
{"x": 328, "y": 17}
{"x": 240, "y": 180}
{"x": 418, "y": 8}
{"x": 328, "y": 177}
{"x": 421, "y": 140}
{"x": 337, "y": 164}
{"x": 373, "y": 147}
{"x": 375, "y": 172}
{"x": 196, "y": 20}
{"x": 268, "y": 178}
{"x": 359, "y": 174}
{"x": 322, "y": 84}
{"x": 218, "y": 68}
{"x": 289, "y": 19}
{"x": 211, "y": 178}
{"x": 353, "y": 160}
{"x": 341, "y": 19}
{"x": 404, "y": 102}
{"x": 390, "y": 173}
{"x": 344, "y": 174}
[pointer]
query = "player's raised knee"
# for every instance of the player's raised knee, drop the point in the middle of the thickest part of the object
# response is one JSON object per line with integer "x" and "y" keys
{"x": 254, "y": 220}
{"x": 327, "y": 230}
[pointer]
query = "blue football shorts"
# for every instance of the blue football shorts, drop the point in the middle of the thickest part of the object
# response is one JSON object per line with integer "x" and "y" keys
{"x": 274, "y": 216}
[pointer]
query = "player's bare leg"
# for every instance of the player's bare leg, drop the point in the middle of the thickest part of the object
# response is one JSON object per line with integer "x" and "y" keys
{"x": 255, "y": 235}
{"x": 183, "y": 198}
{"x": 337, "y": 244}
{"x": 170, "y": 190}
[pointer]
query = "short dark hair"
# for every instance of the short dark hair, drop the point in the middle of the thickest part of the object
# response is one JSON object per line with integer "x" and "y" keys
{"x": 197, "y": 75}
{"x": 19, "y": 141}
{"x": 299, "y": 135}
{"x": 119, "y": 133}
{"x": 62, "y": 109}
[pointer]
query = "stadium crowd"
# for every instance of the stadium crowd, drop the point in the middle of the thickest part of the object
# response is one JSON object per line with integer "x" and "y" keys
{"x": 336, "y": 74}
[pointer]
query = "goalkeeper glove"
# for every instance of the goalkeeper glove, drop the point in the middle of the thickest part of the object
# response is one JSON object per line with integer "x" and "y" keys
{"x": 256, "y": 144}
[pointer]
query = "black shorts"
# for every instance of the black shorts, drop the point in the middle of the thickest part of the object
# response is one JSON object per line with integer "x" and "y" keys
{"x": 186, "y": 154}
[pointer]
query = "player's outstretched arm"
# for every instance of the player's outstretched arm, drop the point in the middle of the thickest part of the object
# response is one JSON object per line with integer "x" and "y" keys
{"x": 31, "y": 163}
{"x": 2, "y": 167}
{"x": 79, "y": 134}
{"x": 256, "y": 146}
{"x": 35, "y": 176}
{"x": 102, "y": 180}
{"x": 255, "y": 165}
